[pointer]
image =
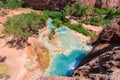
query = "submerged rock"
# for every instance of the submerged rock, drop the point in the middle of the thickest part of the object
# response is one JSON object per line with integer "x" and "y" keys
{"x": 103, "y": 62}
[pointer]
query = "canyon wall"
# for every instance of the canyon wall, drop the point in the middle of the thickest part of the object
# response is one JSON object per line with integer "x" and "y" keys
{"x": 54, "y": 4}
{"x": 60, "y": 4}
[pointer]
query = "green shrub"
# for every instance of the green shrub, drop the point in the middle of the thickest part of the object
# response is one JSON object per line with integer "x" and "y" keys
{"x": 55, "y": 14}
{"x": 2, "y": 5}
{"x": 50, "y": 37}
{"x": 118, "y": 11}
{"x": 100, "y": 12}
{"x": 78, "y": 9}
{"x": 111, "y": 13}
{"x": 97, "y": 21}
{"x": 24, "y": 25}
{"x": 12, "y": 4}
{"x": 80, "y": 29}
{"x": 93, "y": 21}
{"x": 57, "y": 22}
{"x": 69, "y": 10}
{"x": 105, "y": 22}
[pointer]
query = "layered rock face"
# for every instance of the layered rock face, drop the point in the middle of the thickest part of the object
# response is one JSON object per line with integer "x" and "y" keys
{"x": 103, "y": 62}
{"x": 54, "y": 4}
{"x": 48, "y": 4}
{"x": 60, "y": 4}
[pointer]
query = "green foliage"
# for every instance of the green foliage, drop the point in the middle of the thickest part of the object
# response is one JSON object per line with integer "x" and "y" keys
{"x": 80, "y": 29}
{"x": 118, "y": 11}
{"x": 57, "y": 22}
{"x": 78, "y": 9}
{"x": 97, "y": 21}
{"x": 105, "y": 22}
{"x": 111, "y": 13}
{"x": 69, "y": 10}
{"x": 55, "y": 14}
{"x": 12, "y": 4}
{"x": 98, "y": 11}
{"x": 24, "y": 25}
{"x": 2, "y": 5}
{"x": 50, "y": 37}
{"x": 102, "y": 17}
{"x": 53, "y": 31}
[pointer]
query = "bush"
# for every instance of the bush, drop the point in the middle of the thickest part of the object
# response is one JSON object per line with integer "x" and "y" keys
{"x": 118, "y": 12}
{"x": 55, "y": 14}
{"x": 12, "y": 4}
{"x": 111, "y": 13}
{"x": 93, "y": 21}
{"x": 68, "y": 10}
{"x": 100, "y": 12}
{"x": 57, "y": 22}
{"x": 2, "y": 5}
{"x": 78, "y": 9}
{"x": 105, "y": 22}
{"x": 24, "y": 25}
{"x": 80, "y": 29}
{"x": 97, "y": 21}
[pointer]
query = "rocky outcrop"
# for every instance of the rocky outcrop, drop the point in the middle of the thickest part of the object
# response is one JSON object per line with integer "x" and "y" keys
{"x": 107, "y": 4}
{"x": 54, "y": 4}
{"x": 103, "y": 62}
{"x": 60, "y": 4}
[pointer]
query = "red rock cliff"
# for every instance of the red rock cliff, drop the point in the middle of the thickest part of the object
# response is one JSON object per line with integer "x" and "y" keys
{"x": 60, "y": 4}
{"x": 54, "y": 4}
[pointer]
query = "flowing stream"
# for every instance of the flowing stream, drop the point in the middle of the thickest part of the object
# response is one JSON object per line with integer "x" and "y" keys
{"x": 71, "y": 52}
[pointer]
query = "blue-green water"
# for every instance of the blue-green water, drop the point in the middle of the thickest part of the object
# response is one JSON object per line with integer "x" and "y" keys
{"x": 72, "y": 51}
{"x": 49, "y": 23}
{"x": 63, "y": 65}
{"x": 61, "y": 30}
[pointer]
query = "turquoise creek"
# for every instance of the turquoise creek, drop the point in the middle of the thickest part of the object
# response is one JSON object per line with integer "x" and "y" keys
{"x": 71, "y": 51}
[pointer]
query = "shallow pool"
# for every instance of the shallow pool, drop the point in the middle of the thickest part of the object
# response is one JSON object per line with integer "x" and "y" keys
{"x": 63, "y": 65}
